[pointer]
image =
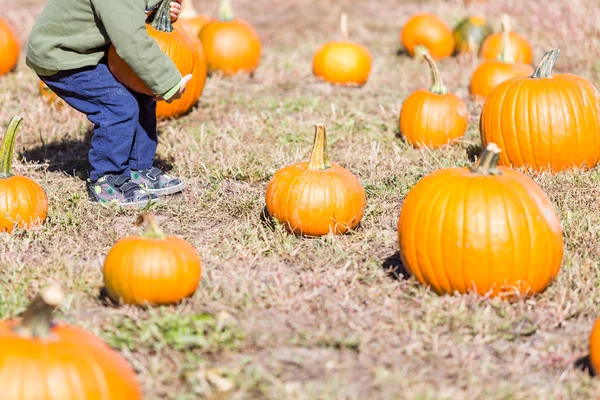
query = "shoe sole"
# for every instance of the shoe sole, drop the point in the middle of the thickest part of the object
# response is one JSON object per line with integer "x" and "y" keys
{"x": 138, "y": 205}
{"x": 167, "y": 191}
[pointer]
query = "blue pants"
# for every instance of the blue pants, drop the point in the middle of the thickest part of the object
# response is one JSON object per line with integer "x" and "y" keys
{"x": 124, "y": 121}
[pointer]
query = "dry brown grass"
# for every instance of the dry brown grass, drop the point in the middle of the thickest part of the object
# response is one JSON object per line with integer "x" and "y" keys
{"x": 295, "y": 318}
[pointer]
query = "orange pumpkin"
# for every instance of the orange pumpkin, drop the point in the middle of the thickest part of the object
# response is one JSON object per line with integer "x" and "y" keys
{"x": 191, "y": 20}
{"x": 44, "y": 360}
{"x": 520, "y": 48}
{"x": 427, "y": 33}
{"x": 488, "y": 230}
{"x": 470, "y": 33}
{"x": 231, "y": 44}
{"x": 491, "y": 73}
{"x": 317, "y": 197}
{"x": 23, "y": 202}
{"x": 184, "y": 50}
{"x": 153, "y": 269}
{"x": 343, "y": 62}
{"x": 10, "y": 48}
{"x": 433, "y": 117}
{"x": 595, "y": 347}
{"x": 544, "y": 122}
{"x": 49, "y": 96}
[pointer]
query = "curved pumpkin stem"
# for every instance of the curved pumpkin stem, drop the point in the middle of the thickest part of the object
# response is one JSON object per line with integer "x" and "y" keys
{"x": 487, "y": 163}
{"x": 188, "y": 10}
{"x": 153, "y": 231}
{"x": 437, "y": 84}
{"x": 8, "y": 146}
{"x": 344, "y": 25}
{"x": 161, "y": 19}
{"x": 506, "y": 50}
{"x": 546, "y": 65}
{"x": 319, "y": 158}
{"x": 225, "y": 11}
{"x": 37, "y": 319}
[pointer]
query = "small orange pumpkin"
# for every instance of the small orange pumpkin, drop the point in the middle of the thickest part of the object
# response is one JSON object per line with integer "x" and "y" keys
{"x": 427, "y": 32}
{"x": 153, "y": 269}
{"x": 520, "y": 48}
{"x": 544, "y": 122}
{"x": 231, "y": 44}
{"x": 343, "y": 62}
{"x": 192, "y": 21}
{"x": 317, "y": 197}
{"x": 595, "y": 347}
{"x": 433, "y": 117}
{"x": 49, "y": 96}
{"x": 491, "y": 73}
{"x": 10, "y": 48}
{"x": 44, "y": 360}
{"x": 185, "y": 51}
{"x": 488, "y": 230}
{"x": 23, "y": 202}
{"x": 470, "y": 33}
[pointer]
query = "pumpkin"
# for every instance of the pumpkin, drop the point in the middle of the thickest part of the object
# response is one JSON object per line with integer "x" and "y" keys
{"x": 184, "y": 50}
{"x": 343, "y": 62}
{"x": 49, "y": 96}
{"x": 41, "y": 359}
{"x": 433, "y": 117}
{"x": 520, "y": 48}
{"x": 595, "y": 347}
{"x": 544, "y": 122}
{"x": 470, "y": 33}
{"x": 491, "y": 73}
{"x": 427, "y": 32}
{"x": 488, "y": 230}
{"x": 152, "y": 269}
{"x": 23, "y": 202}
{"x": 10, "y": 48}
{"x": 191, "y": 20}
{"x": 318, "y": 197}
{"x": 231, "y": 44}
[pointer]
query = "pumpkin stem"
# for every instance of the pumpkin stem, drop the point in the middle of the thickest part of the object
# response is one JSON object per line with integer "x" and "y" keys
{"x": 487, "y": 163}
{"x": 544, "y": 68}
{"x": 37, "y": 319}
{"x": 344, "y": 25}
{"x": 420, "y": 50}
{"x": 320, "y": 157}
{"x": 188, "y": 10}
{"x": 225, "y": 11}
{"x": 161, "y": 19}
{"x": 8, "y": 146}
{"x": 153, "y": 231}
{"x": 437, "y": 84}
{"x": 506, "y": 49}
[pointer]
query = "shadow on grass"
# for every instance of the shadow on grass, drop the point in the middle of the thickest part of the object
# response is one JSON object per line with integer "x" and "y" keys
{"x": 583, "y": 364}
{"x": 394, "y": 267}
{"x": 473, "y": 151}
{"x": 71, "y": 157}
{"x": 105, "y": 299}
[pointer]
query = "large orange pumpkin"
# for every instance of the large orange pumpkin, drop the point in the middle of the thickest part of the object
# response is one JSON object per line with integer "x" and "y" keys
{"x": 433, "y": 117}
{"x": 10, "y": 48}
{"x": 153, "y": 269}
{"x": 43, "y": 360}
{"x": 491, "y": 73}
{"x": 23, "y": 202}
{"x": 595, "y": 347}
{"x": 488, "y": 230}
{"x": 427, "y": 32}
{"x": 185, "y": 51}
{"x": 343, "y": 62}
{"x": 317, "y": 197}
{"x": 544, "y": 122}
{"x": 231, "y": 44}
{"x": 192, "y": 21}
{"x": 520, "y": 48}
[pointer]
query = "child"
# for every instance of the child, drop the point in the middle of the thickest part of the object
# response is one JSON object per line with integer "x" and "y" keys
{"x": 67, "y": 49}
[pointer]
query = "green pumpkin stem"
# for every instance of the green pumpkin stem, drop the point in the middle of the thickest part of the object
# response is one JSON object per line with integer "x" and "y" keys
{"x": 320, "y": 157}
{"x": 153, "y": 231}
{"x": 225, "y": 11}
{"x": 161, "y": 19}
{"x": 487, "y": 163}
{"x": 344, "y": 25}
{"x": 37, "y": 319}
{"x": 546, "y": 65}
{"x": 8, "y": 147}
{"x": 506, "y": 49}
{"x": 437, "y": 84}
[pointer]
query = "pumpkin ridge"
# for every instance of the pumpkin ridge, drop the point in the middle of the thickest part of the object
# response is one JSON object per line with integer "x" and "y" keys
{"x": 445, "y": 277}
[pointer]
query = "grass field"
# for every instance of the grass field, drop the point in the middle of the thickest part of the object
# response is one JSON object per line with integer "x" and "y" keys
{"x": 277, "y": 316}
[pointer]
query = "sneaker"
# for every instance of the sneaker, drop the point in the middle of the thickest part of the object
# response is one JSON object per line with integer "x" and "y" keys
{"x": 120, "y": 190}
{"x": 155, "y": 181}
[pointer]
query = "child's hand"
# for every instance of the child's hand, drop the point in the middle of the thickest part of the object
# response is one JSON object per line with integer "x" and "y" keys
{"x": 175, "y": 9}
{"x": 180, "y": 92}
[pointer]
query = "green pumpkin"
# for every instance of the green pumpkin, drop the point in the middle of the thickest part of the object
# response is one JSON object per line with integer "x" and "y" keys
{"x": 470, "y": 33}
